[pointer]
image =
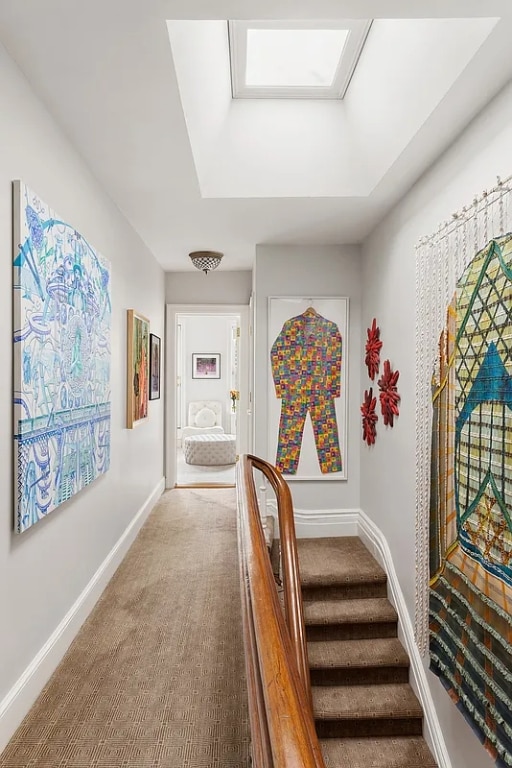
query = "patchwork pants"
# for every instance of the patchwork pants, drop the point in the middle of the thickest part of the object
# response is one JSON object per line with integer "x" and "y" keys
{"x": 325, "y": 430}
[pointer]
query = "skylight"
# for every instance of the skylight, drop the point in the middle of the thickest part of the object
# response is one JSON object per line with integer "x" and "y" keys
{"x": 294, "y": 59}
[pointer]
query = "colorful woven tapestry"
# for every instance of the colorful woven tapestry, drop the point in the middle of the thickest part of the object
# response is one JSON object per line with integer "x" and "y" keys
{"x": 471, "y": 500}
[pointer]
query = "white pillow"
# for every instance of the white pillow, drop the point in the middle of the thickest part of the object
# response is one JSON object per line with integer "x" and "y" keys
{"x": 205, "y": 418}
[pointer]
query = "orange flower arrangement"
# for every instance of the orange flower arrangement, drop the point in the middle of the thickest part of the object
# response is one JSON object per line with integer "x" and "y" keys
{"x": 234, "y": 395}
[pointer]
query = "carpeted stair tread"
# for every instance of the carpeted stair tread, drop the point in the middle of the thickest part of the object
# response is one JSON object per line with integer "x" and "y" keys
{"x": 375, "y": 652}
{"x": 364, "y": 611}
{"x": 366, "y": 713}
{"x": 397, "y": 752}
{"x": 388, "y": 701}
{"x": 332, "y": 561}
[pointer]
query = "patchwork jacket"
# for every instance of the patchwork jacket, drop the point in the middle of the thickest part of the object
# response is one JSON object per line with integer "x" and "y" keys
{"x": 306, "y": 358}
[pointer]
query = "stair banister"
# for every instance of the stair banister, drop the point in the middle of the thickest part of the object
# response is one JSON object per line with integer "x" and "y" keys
{"x": 282, "y": 726}
{"x": 294, "y": 613}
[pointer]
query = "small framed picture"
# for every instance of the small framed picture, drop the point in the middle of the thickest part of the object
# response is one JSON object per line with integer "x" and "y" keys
{"x": 154, "y": 367}
{"x": 205, "y": 365}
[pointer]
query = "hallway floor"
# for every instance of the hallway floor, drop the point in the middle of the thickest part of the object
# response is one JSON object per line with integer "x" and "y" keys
{"x": 187, "y": 474}
{"x": 156, "y": 675}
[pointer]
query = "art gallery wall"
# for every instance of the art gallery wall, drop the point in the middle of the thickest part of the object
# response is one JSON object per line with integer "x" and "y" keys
{"x": 290, "y": 270}
{"x": 470, "y": 166}
{"x": 45, "y": 569}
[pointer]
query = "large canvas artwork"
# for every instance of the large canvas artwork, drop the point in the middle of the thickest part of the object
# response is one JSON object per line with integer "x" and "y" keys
{"x": 471, "y": 500}
{"x": 62, "y": 315}
{"x": 138, "y": 369}
{"x": 308, "y": 387}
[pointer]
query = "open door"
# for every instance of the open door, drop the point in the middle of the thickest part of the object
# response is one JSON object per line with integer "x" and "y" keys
{"x": 193, "y": 334}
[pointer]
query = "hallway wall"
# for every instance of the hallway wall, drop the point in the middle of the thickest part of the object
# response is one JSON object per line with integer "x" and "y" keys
{"x": 219, "y": 287}
{"x": 471, "y": 165}
{"x": 44, "y": 570}
{"x": 290, "y": 270}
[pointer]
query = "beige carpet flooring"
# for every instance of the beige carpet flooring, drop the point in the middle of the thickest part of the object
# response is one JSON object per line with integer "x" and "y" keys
{"x": 156, "y": 675}
{"x": 188, "y": 474}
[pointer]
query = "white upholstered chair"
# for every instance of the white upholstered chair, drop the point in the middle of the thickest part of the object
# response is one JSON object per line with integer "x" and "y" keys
{"x": 204, "y": 417}
{"x": 204, "y": 441}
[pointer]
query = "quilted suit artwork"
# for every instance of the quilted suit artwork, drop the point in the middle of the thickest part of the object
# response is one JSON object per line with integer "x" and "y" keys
{"x": 306, "y": 368}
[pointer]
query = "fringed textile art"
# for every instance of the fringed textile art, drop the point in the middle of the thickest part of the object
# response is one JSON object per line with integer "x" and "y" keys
{"x": 464, "y": 456}
{"x": 441, "y": 259}
{"x": 471, "y": 500}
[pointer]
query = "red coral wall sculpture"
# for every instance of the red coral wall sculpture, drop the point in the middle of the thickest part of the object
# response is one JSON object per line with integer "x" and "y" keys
{"x": 369, "y": 417}
{"x": 373, "y": 347}
{"x": 389, "y": 397}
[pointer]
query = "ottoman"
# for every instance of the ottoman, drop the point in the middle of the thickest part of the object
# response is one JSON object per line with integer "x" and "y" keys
{"x": 210, "y": 450}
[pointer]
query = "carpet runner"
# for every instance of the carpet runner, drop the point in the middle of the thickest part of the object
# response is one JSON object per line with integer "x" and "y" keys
{"x": 366, "y": 713}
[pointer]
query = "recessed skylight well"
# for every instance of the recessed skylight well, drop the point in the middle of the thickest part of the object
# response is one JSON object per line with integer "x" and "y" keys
{"x": 294, "y": 59}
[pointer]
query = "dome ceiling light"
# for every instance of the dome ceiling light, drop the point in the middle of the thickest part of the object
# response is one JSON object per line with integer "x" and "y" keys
{"x": 206, "y": 260}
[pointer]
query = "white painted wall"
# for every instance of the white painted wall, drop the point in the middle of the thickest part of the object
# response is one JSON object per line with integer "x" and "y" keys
{"x": 383, "y": 80}
{"x": 219, "y": 287}
{"x": 388, "y": 491}
{"x": 201, "y": 48}
{"x": 204, "y": 334}
{"x": 310, "y": 271}
{"x": 44, "y": 570}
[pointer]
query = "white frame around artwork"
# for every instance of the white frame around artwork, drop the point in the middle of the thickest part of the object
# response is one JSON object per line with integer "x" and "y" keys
{"x": 336, "y": 309}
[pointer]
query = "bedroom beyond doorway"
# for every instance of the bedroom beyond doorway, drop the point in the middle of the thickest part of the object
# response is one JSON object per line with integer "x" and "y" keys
{"x": 207, "y": 398}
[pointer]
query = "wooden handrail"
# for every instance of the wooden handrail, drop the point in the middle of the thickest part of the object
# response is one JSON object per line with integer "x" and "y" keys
{"x": 294, "y": 614}
{"x": 282, "y": 726}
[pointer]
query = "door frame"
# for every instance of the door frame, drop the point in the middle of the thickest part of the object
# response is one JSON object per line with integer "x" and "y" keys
{"x": 244, "y": 427}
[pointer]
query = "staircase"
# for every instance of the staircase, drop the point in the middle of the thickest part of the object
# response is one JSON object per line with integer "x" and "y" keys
{"x": 366, "y": 713}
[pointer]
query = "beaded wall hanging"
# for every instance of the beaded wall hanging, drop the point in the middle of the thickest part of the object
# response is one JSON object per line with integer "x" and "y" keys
{"x": 464, "y": 494}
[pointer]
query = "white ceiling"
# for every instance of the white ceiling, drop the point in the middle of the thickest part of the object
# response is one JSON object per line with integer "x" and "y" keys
{"x": 192, "y": 170}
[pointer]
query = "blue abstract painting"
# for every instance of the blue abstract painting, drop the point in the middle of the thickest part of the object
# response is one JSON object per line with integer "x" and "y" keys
{"x": 62, "y": 316}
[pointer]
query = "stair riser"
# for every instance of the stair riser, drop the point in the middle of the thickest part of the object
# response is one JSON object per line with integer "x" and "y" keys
{"x": 363, "y": 631}
{"x": 358, "y": 728}
{"x": 344, "y": 591}
{"x": 360, "y": 676}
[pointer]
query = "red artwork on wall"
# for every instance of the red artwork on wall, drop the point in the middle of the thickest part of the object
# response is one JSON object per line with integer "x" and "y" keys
{"x": 369, "y": 417}
{"x": 372, "y": 348}
{"x": 389, "y": 397}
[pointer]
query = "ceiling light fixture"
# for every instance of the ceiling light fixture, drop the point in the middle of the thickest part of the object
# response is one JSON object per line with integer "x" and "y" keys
{"x": 206, "y": 260}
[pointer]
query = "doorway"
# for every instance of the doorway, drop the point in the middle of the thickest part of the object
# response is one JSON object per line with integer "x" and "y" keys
{"x": 207, "y": 417}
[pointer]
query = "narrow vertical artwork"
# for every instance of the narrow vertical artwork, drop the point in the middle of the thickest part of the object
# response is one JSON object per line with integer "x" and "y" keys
{"x": 62, "y": 315}
{"x": 138, "y": 368}
{"x": 471, "y": 500}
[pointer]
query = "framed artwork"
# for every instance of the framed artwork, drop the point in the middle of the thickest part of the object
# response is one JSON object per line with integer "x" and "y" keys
{"x": 205, "y": 365}
{"x": 61, "y": 379}
{"x": 137, "y": 369}
{"x": 307, "y": 385}
{"x": 154, "y": 366}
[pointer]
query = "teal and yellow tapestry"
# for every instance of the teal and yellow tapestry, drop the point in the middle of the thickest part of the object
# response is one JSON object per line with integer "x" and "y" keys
{"x": 471, "y": 500}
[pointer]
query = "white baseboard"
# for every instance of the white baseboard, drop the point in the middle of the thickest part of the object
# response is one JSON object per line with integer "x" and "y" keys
{"x": 378, "y": 546}
{"x": 317, "y": 523}
{"x": 24, "y": 692}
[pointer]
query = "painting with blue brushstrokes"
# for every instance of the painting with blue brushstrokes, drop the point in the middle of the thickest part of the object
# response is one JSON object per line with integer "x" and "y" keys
{"x": 62, "y": 315}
